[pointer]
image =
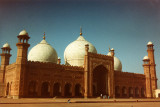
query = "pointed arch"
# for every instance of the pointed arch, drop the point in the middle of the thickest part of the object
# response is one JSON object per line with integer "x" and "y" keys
{"x": 78, "y": 92}
{"x": 68, "y": 90}
{"x": 7, "y": 89}
{"x": 136, "y": 92}
{"x": 130, "y": 92}
{"x": 117, "y": 91}
{"x": 57, "y": 89}
{"x": 142, "y": 92}
{"x": 124, "y": 92}
{"x": 45, "y": 89}
{"x": 100, "y": 80}
{"x": 32, "y": 89}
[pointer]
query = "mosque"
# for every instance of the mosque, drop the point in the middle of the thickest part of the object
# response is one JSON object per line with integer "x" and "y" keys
{"x": 85, "y": 73}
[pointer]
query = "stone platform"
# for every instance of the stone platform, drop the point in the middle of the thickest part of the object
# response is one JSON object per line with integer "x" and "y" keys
{"x": 78, "y": 102}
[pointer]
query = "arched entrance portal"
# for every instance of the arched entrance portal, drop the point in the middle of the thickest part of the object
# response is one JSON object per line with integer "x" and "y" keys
{"x": 100, "y": 81}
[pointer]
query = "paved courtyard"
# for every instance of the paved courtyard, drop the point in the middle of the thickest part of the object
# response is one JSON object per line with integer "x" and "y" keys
{"x": 92, "y": 102}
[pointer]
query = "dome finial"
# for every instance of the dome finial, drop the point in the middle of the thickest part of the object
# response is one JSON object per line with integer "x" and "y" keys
{"x": 80, "y": 30}
{"x": 44, "y": 36}
{"x": 109, "y": 49}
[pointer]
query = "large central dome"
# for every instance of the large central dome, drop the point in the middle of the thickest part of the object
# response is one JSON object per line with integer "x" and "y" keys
{"x": 43, "y": 52}
{"x": 75, "y": 51}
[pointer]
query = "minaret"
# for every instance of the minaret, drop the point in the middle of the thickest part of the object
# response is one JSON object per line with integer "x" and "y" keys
{"x": 150, "y": 51}
{"x": 21, "y": 64}
{"x": 5, "y": 57}
{"x": 146, "y": 66}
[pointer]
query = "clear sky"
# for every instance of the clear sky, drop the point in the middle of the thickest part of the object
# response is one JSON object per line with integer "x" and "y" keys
{"x": 125, "y": 25}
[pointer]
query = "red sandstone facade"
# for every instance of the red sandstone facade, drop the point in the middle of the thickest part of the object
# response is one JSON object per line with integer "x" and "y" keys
{"x": 35, "y": 79}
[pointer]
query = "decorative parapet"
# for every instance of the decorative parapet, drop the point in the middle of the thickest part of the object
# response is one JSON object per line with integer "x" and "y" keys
{"x": 11, "y": 66}
{"x": 100, "y": 56}
{"x": 129, "y": 74}
{"x": 53, "y": 65}
{"x": 73, "y": 68}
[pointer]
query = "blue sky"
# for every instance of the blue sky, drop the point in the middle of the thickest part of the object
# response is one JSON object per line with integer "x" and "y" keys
{"x": 125, "y": 25}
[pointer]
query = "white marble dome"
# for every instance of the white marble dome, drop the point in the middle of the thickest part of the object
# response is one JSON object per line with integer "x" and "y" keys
{"x": 117, "y": 63}
{"x": 6, "y": 45}
{"x": 75, "y": 52}
{"x": 23, "y": 32}
{"x": 43, "y": 52}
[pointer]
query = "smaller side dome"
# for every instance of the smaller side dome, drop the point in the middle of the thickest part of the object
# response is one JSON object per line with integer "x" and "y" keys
{"x": 43, "y": 52}
{"x": 146, "y": 58}
{"x": 150, "y": 43}
{"x": 23, "y": 32}
{"x": 117, "y": 63}
{"x": 6, "y": 45}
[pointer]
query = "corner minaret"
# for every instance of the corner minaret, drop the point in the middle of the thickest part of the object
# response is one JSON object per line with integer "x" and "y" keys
{"x": 150, "y": 51}
{"x": 146, "y": 66}
{"x": 5, "y": 57}
{"x": 21, "y": 64}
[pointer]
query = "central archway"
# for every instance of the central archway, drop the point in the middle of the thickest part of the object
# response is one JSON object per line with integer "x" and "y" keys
{"x": 100, "y": 81}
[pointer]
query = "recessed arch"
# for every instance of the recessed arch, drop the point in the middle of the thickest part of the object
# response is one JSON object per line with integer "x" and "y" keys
{"x": 57, "y": 89}
{"x": 142, "y": 92}
{"x": 130, "y": 92}
{"x": 32, "y": 89}
{"x": 78, "y": 92}
{"x": 100, "y": 81}
{"x": 124, "y": 92}
{"x": 136, "y": 92}
{"x": 117, "y": 91}
{"x": 45, "y": 89}
{"x": 68, "y": 90}
{"x": 7, "y": 90}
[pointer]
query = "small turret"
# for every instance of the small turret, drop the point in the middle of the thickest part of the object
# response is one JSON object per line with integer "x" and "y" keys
{"x": 59, "y": 60}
